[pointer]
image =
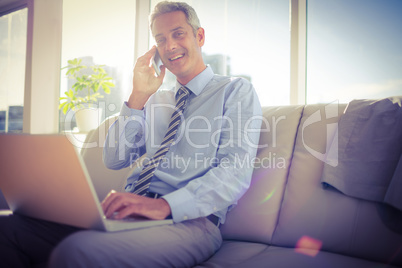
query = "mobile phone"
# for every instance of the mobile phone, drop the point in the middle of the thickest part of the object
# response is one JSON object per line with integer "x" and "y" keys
{"x": 156, "y": 62}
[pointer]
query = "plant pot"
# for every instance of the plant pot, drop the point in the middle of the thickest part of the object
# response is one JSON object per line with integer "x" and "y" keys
{"x": 87, "y": 119}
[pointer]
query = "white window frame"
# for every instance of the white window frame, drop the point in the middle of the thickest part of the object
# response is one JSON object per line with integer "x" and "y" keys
{"x": 142, "y": 36}
{"x": 298, "y": 51}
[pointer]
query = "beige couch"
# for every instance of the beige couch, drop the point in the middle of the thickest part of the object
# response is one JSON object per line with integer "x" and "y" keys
{"x": 287, "y": 218}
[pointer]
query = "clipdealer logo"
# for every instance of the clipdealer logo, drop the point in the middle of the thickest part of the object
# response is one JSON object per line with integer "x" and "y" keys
{"x": 330, "y": 156}
{"x": 200, "y": 161}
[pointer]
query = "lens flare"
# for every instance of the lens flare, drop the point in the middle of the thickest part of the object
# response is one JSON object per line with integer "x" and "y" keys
{"x": 308, "y": 246}
{"x": 268, "y": 196}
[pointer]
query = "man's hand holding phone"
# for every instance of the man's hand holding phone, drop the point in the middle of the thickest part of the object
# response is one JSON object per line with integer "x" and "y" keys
{"x": 145, "y": 82}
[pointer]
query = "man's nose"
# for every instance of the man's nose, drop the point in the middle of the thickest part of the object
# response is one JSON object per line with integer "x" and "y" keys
{"x": 171, "y": 44}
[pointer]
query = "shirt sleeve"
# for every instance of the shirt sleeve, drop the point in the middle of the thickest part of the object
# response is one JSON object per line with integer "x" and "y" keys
{"x": 221, "y": 187}
{"x": 125, "y": 140}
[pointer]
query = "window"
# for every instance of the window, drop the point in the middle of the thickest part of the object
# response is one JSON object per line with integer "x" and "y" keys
{"x": 100, "y": 32}
{"x": 353, "y": 49}
{"x": 13, "y": 42}
{"x": 248, "y": 39}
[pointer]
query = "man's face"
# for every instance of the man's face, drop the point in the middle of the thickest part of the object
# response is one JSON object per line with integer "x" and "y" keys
{"x": 179, "y": 49}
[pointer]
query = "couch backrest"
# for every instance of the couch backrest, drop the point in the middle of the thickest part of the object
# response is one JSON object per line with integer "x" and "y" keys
{"x": 255, "y": 217}
{"x": 324, "y": 218}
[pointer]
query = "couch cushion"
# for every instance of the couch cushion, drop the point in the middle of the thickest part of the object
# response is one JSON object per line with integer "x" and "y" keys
{"x": 255, "y": 216}
{"x": 336, "y": 222}
{"x": 244, "y": 254}
{"x": 370, "y": 143}
{"x": 104, "y": 179}
{"x": 234, "y": 253}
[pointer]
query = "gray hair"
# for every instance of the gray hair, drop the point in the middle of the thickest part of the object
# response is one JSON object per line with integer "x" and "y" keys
{"x": 167, "y": 7}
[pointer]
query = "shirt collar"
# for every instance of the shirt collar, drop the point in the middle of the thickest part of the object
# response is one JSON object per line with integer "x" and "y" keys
{"x": 198, "y": 83}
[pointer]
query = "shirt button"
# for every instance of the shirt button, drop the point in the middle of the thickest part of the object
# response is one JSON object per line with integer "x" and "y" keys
{"x": 185, "y": 218}
{"x": 125, "y": 117}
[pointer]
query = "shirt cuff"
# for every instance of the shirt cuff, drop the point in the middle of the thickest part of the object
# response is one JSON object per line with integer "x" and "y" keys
{"x": 131, "y": 119}
{"x": 182, "y": 205}
{"x": 127, "y": 111}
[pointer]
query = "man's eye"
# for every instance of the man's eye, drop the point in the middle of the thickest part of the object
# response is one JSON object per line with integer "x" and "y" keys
{"x": 179, "y": 34}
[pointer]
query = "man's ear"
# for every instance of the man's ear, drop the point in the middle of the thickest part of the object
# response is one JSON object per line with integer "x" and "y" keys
{"x": 200, "y": 37}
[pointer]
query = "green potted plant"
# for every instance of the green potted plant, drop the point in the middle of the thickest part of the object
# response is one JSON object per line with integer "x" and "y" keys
{"x": 83, "y": 96}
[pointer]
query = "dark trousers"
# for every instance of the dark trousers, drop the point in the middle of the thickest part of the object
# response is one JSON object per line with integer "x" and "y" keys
{"x": 27, "y": 242}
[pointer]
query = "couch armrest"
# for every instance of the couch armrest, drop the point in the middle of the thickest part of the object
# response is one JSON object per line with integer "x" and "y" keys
{"x": 104, "y": 179}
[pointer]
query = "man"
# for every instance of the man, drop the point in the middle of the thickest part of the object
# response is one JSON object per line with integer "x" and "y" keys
{"x": 198, "y": 141}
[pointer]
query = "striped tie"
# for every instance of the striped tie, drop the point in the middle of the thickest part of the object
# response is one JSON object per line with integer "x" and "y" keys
{"x": 149, "y": 168}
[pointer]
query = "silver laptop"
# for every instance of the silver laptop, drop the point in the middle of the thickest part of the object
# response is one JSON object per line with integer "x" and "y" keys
{"x": 44, "y": 176}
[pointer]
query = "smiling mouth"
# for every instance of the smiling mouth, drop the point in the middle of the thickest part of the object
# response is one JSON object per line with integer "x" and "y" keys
{"x": 177, "y": 57}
